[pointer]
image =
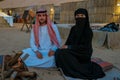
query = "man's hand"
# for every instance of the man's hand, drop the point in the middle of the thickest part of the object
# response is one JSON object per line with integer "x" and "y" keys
{"x": 64, "y": 47}
{"x": 51, "y": 53}
{"x": 38, "y": 54}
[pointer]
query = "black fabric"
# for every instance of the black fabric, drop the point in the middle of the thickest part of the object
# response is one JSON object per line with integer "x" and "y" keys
{"x": 41, "y": 11}
{"x": 73, "y": 68}
{"x": 75, "y": 61}
{"x": 80, "y": 37}
{"x": 111, "y": 27}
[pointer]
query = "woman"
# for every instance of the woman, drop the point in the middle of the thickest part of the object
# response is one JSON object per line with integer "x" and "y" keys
{"x": 74, "y": 58}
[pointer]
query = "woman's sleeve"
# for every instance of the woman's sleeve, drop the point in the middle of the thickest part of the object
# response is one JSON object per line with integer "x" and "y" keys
{"x": 70, "y": 37}
{"x": 32, "y": 42}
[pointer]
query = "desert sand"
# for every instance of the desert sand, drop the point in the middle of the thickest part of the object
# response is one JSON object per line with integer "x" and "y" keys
{"x": 12, "y": 39}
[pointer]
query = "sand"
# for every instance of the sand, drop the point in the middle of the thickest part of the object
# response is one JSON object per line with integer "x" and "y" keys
{"x": 14, "y": 39}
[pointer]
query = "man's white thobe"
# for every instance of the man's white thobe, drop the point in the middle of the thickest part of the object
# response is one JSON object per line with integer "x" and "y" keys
{"x": 45, "y": 46}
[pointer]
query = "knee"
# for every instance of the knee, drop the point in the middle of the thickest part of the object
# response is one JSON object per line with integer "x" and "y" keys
{"x": 58, "y": 51}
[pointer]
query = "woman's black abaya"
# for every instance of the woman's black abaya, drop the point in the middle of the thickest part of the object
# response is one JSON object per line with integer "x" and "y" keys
{"x": 75, "y": 61}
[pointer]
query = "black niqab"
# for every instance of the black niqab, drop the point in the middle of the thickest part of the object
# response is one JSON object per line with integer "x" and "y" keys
{"x": 81, "y": 34}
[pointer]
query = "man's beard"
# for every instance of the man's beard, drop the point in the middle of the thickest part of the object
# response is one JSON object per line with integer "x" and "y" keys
{"x": 42, "y": 22}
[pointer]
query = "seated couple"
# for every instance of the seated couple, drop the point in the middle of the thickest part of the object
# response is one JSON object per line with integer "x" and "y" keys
{"x": 74, "y": 58}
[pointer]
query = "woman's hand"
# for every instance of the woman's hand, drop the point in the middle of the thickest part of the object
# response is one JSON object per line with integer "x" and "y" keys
{"x": 51, "y": 53}
{"x": 38, "y": 54}
{"x": 64, "y": 47}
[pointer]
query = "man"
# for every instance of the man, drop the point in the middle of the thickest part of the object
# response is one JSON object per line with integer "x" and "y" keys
{"x": 74, "y": 58}
{"x": 45, "y": 39}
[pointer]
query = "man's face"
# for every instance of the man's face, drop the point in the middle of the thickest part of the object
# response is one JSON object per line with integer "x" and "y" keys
{"x": 42, "y": 18}
{"x": 80, "y": 16}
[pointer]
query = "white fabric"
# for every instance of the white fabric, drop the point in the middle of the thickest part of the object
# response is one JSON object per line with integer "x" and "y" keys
{"x": 34, "y": 61}
{"x": 45, "y": 46}
{"x": 8, "y": 18}
{"x": 3, "y": 14}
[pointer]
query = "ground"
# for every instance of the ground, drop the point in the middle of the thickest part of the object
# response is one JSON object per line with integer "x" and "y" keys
{"x": 12, "y": 39}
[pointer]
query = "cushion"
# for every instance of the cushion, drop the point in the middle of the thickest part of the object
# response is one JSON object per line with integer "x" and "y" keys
{"x": 104, "y": 64}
